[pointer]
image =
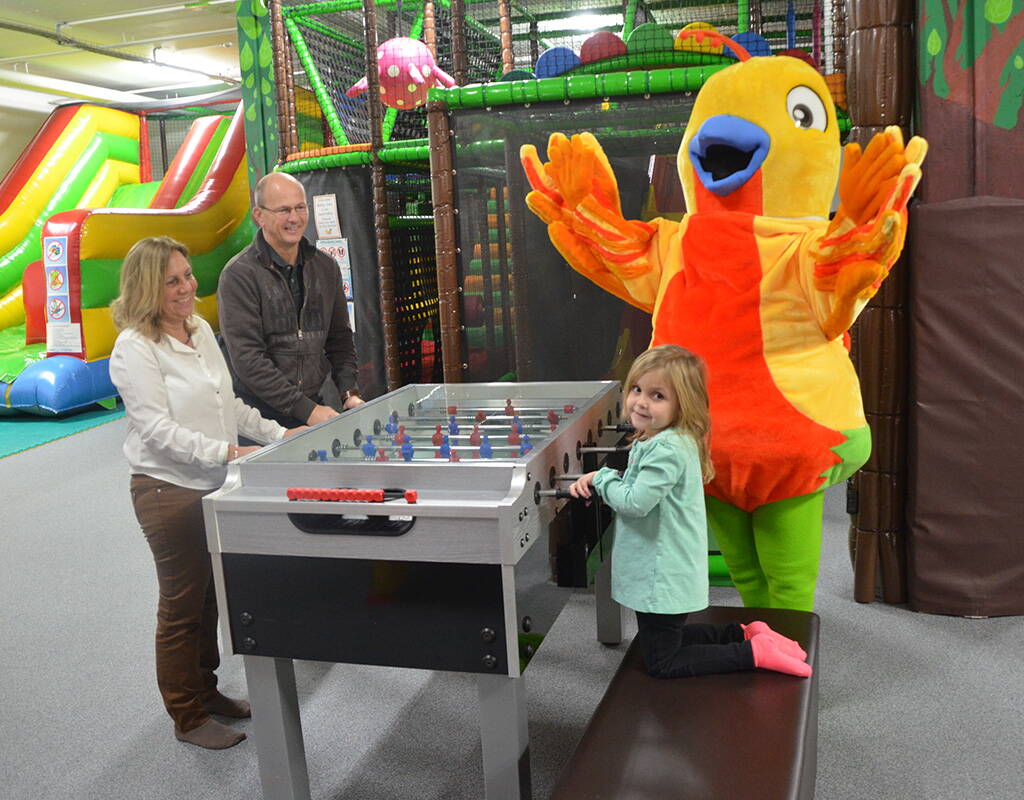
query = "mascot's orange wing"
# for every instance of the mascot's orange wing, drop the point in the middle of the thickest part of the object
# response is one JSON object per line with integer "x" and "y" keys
{"x": 866, "y": 235}
{"x": 576, "y": 195}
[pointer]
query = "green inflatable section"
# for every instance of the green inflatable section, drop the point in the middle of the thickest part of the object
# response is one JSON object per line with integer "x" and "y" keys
{"x": 134, "y": 195}
{"x": 103, "y": 147}
{"x": 15, "y": 355}
{"x": 203, "y": 165}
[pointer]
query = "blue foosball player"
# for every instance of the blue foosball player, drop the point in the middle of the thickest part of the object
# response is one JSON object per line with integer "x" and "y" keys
{"x": 407, "y": 450}
{"x": 453, "y": 426}
{"x": 526, "y": 446}
{"x": 369, "y": 449}
{"x": 486, "y": 451}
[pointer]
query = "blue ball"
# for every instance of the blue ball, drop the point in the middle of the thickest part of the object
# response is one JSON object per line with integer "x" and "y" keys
{"x": 555, "y": 61}
{"x": 754, "y": 43}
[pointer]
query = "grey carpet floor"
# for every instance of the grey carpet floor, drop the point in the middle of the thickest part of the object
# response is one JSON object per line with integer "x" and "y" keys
{"x": 912, "y": 707}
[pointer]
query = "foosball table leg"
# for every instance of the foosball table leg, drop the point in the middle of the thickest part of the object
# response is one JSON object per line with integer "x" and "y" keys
{"x": 504, "y": 738}
{"x": 277, "y": 728}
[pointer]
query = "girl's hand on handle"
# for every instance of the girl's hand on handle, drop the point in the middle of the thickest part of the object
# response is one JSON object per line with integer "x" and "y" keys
{"x": 583, "y": 486}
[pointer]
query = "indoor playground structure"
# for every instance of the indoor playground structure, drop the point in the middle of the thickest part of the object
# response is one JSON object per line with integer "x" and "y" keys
{"x": 92, "y": 182}
{"x": 456, "y": 280}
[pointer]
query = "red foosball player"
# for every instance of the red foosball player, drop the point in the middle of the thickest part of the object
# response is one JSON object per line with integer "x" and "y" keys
{"x": 474, "y": 437}
{"x": 438, "y": 437}
{"x": 509, "y": 408}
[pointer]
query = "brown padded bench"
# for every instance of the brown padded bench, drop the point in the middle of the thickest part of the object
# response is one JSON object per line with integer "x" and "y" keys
{"x": 741, "y": 736}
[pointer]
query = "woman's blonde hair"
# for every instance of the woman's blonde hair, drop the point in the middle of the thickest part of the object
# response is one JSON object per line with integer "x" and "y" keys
{"x": 139, "y": 304}
{"x": 688, "y": 376}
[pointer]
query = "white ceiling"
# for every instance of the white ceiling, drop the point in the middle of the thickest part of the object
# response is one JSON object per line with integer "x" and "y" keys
{"x": 37, "y": 71}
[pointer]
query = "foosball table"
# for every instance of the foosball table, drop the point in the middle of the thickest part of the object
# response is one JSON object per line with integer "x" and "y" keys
{"x": 411, "y": 531}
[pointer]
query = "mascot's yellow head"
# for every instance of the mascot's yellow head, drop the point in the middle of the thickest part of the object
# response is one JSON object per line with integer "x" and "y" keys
{"x": 762, "y": 138}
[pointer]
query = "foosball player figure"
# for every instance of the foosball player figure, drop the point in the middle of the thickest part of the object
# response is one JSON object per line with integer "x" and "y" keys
{"x": 453, "y": 426}
{"x": 486, "y": 451}
{"x": 369, "y": 449}
{"x": 407, "y": 450}
{"x": 438, "y": 437}
{"x": 474, "y": 437}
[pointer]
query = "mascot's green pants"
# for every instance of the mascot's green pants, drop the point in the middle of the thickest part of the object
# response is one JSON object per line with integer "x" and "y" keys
{"x": 773, "y": 551}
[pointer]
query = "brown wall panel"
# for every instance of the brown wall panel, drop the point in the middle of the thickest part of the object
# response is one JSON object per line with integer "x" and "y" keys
{"x": 966, "y": 507}
{"x": 878, "y": 13}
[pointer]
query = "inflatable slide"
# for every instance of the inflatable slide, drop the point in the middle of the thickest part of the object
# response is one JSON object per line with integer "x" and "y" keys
{"x": 70, "y": 208}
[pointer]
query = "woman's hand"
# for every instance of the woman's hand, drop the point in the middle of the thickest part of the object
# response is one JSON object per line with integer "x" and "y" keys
{"x": 583, "y": 486}
{"x": 235, "y": 451}
{"x": 293, "y": 431}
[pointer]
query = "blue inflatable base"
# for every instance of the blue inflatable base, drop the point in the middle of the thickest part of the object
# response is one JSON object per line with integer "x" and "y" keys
{"x": 57, "y": 385}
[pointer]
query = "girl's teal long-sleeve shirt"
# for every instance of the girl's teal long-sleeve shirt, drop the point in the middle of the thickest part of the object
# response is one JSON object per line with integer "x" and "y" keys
{"x": 660, "y": 555}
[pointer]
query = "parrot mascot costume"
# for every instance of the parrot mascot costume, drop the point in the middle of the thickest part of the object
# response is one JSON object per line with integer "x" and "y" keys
{"x": 759, "y": 282}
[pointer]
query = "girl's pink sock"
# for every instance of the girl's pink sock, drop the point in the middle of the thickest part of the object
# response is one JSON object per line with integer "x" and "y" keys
{"x": 787, "y": 646}
{"x": 767, "y": 655}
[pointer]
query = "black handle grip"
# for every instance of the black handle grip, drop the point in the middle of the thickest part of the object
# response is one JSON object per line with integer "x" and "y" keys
{"x": 340, "y": 524}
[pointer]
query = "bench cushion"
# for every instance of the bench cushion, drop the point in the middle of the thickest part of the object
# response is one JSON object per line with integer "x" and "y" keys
{"x": 739, "y": 736}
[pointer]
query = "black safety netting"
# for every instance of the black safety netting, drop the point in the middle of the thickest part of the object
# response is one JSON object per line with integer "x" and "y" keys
{"x": 418, "y": 331}
{"x": 525, "y": 311}
{"x": 168, "y": 128}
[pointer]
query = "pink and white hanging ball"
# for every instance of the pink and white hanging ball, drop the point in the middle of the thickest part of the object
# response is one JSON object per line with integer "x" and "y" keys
{"x": 406, "y": 71}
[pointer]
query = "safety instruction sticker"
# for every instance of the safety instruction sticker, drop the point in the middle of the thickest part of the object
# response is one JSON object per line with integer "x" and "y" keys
{"x": 64, "y": 338}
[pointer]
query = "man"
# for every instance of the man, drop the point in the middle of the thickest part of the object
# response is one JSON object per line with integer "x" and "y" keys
{"x": 283, "y": 315}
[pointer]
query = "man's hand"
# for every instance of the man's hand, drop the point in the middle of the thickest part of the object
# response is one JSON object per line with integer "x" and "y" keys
{"x": 352, "y": 401}
{"x": 293, "y": 431}
{"x": 321, "y": 414}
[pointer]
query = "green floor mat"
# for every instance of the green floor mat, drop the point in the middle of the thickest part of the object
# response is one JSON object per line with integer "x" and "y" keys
{"x": 24, "y": 431}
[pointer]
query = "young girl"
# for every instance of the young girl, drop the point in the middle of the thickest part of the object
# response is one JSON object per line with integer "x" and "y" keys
{"x": 659, "y": 559}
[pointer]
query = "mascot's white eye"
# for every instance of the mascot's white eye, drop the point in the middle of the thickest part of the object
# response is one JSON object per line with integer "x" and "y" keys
{"x": 806, "y": 109}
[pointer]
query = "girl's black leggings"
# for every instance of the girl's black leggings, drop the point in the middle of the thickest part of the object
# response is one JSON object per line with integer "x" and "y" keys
{"x": 673, "y": 649}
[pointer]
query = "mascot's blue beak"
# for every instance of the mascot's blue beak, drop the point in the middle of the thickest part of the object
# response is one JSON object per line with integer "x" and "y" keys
{"x": 727, "y": 151}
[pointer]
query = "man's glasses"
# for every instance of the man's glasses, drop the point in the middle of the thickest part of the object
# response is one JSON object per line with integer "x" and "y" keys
{"x": 301, "y": 208}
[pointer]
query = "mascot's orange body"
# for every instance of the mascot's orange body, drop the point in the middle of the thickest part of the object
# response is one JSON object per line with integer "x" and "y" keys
{"x": 758, "y": 282}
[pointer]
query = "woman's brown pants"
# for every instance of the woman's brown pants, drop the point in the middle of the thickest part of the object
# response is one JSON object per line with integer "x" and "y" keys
{"x": 186, "y": 620}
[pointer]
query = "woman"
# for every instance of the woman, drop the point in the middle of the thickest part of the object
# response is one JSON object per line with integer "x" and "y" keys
{"x": 183, "y": 422}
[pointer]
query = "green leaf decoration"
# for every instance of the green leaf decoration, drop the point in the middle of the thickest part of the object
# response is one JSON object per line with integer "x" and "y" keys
{"x": 245, "y": 59}
{"x": 266, "y": 52}
{"x": 248, "y": 27}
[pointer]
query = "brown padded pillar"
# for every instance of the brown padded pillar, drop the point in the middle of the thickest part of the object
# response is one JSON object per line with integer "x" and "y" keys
{"x": 442, "y": 190}
{"x": 880, "y": 70}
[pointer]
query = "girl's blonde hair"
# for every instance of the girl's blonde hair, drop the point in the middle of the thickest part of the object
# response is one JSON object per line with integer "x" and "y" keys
{"x": 688, "y": 376}
{"x": 141, "y": 299}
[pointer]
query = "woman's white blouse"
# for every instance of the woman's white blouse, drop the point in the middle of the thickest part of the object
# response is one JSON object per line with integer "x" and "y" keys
{"x": 181, "y": 409}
